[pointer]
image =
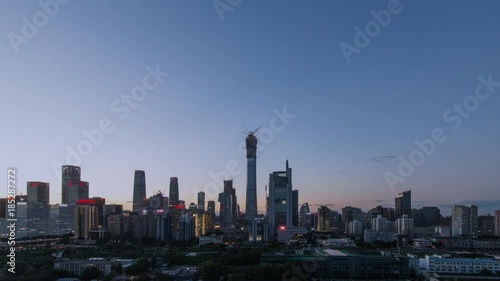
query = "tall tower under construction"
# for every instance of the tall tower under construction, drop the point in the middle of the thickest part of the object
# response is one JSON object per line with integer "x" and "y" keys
{"x": 251, "y": 196}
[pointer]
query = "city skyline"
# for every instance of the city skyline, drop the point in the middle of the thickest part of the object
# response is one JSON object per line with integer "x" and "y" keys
{"x": 445, "y": 209}
{"x": 250, "y": 140}
{"x": 343, "y": 135}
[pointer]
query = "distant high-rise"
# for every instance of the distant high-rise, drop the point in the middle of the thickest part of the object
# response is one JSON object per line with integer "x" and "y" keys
{"x": 139, "y": 191}
{"x": 404, "y": 226}
{"x": 295, "y": 207}
{"x": 304, "y": 210}
{"x": 77, "y": 191}
{"x": 486, "y": 225}
{"x": 403, "y": 204}
{"x": 38, "y": 208}
{"x": 186, "y": 227}
{"x": 201, "y": 201}
{"x": 380, "y": 224}
{"x": 3, "y": 208}
{"x": 350, "y": 214}
{"x": 251, "y": 194}
{"x": 355, "y": 228}
{"x": 174, "y": 192}
{"x": 387, "y": 213}
{"x": 428, "y": 216}
{"x": 193, "y": 207}
{"x": 158, "y": 201}
{"x": 335, "y": 219}
{"x": 112, "y": 209}
{"x": 257, "y": 230}
{"x": 464, "y": 220}
{"x": 38, "y": 192}
{"x": 204, "y": 222}
{"x": 21, "y": 198}
{"x": 497, "y": 222}
{"x": 323, "y": 219}
{"x": 100, "y": 203}
{"x": 280, "y": 200}
{"x": 228, "y": 204}
{"x": 86, "y": 218}
{"x": 69, "y": 174}
{"x": 67, "y": 215}
{"x": 23, "y": 225}
{"x": 211, "y": 207}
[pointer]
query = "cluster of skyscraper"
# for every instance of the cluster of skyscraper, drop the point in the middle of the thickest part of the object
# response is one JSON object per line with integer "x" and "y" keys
{"x": 387, "y": 224}
{"x": 36, "y": 216}
{"x": 167, "y": 218}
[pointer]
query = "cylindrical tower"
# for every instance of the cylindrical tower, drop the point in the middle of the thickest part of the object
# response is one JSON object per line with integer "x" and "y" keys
{"x": 251, "y": 195}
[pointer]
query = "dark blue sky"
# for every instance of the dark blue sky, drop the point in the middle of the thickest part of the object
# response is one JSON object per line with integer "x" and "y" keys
{"x": 264, "y": 55}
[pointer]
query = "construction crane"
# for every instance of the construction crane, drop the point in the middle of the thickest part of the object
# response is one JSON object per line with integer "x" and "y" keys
{"x": 326, "y": 205}
{"x": 248, "y": 132}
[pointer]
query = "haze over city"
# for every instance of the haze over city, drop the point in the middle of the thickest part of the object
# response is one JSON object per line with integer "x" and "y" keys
{"x": 349, "y": 119}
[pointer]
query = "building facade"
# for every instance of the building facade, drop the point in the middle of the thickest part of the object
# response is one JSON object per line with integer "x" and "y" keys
{"x": 486, "y": 225}
{"x": 405, "y": 226}
{"x": 497, "y": 222}
{"x": 139, "y": 191}
{"x": 86, "y": 218}
{"x": 323, "y": 219}
{"x": 38, "y": 208}
{"x": 201, "y": 201}
{"x": 228, "y": 204}
{"x": 342, "y": 264}
{"x": 251, "y": 191}
{"x": 403, "y": 204}
{"x": 280, "y": 200}
{"x": 441, "y": 264}
{"x": 304, "y": 210}
{"x": 174, "y": 192}
{"x": 77, "y": 191}
{"x": 70, "y": 173}
{"x": 464, "y": 220}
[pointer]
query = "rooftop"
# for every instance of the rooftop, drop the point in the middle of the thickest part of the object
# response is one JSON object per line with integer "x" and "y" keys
{"x": 330, "y": 252}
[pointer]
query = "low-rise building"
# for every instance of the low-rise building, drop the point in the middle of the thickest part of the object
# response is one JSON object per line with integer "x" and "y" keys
{"x": 337, "y": 243}
{"x": 471, "y": 244}
{"x": 214, "y": 239}
{"x": 443, "y": 264}
{"x": 444, "y": 231}
{"x": 78, "y": 266}
{"x": 180, "y": 270}
{"x": 291, "y": 233}
{"x": 331, "y": 263}
{"x": 355, "y": 228}
{"x": 422, "y": 243}
{"x": 371, "y": 236}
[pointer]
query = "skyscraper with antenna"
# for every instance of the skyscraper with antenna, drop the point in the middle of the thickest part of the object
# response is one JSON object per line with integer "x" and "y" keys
{"x": 251, "y": 194}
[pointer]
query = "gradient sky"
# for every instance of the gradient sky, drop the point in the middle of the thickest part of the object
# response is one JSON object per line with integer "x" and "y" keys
{"x": 264, "y": 55}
